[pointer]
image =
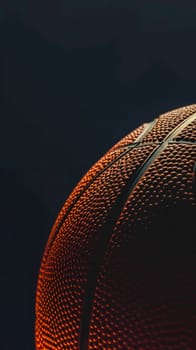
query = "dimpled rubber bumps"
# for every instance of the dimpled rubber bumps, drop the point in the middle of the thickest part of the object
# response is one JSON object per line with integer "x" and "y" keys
{"x": 118, "y": 271}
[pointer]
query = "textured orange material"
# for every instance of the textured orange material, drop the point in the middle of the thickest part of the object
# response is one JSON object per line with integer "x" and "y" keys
{"x": 118, "y": 271}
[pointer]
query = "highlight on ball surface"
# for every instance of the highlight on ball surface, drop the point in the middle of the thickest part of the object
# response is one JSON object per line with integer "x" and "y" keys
{"x": 118, "y": 270}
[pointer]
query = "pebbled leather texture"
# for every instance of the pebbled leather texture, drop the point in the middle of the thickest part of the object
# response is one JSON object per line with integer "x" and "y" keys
{"x": 118, "y": 271}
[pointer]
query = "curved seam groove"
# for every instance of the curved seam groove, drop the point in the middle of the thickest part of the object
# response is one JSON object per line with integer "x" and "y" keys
{"x": 127, "y": 150}
{"x": 163, "y": 145}
{"x": 108, "y": 229}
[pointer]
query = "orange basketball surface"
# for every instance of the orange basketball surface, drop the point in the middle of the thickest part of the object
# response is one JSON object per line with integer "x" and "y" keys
{"x": 118, "y": 271}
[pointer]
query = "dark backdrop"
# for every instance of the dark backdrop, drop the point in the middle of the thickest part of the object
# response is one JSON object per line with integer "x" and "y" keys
{"x": 75, "y": 78}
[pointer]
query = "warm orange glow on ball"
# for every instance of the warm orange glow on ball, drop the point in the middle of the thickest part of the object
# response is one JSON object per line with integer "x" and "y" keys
{"x": 118, "y": 271}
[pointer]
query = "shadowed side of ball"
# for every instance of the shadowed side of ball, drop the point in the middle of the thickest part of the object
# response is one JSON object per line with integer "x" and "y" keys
{"x": 118, "y": 271}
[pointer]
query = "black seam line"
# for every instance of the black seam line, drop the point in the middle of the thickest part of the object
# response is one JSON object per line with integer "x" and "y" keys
{"x": 176, "y": 131}
{"x": 127, "y": 150}
{"x": 98, "y": 257}
{"x": 149, "y": 126}
{"x": 163, "y": 145}
{"x": 141, "y": 144}
{"x": 147, "y": 129}
{"x": 108, "y": 229}
{"x": 138, "y": 144}
{"x": 95, "y": 264}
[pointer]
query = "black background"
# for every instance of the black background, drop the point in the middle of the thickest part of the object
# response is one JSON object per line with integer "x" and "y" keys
{"x": 75, "y": 78}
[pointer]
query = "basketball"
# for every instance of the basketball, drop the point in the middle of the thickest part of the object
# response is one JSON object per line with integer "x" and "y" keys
{"x": 118, "y": 270}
